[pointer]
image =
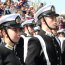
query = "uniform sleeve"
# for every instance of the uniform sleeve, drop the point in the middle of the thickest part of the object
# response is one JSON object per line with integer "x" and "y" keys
{"x": 33, "y": 51}
{"x": 0, "y": 60}
{"x": 63, "y": 53}
{"x": 63, "y": 46}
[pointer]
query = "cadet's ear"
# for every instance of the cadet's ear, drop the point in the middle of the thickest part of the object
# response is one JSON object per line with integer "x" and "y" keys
{"x": 42, "y": 21}
{"x": 0, "y": 33}
{"x": 3, "y": 32}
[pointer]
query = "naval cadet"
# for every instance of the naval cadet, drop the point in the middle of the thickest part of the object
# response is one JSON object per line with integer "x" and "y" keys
{"x": 21, "y": 48}
{"x": 28, "y": 26}
{"x": 47, "y": 51}
{"x": 10, "y": 26}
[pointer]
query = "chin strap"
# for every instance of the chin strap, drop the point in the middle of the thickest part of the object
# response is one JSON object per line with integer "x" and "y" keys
{"x": 9, "y": 37}
{"x": 48, "y": 25}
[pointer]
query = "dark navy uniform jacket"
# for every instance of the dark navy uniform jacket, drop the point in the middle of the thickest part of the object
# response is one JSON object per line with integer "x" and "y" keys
{"x": 19, "y": 50}
{"x": 63, "y": 53}
{"x": 35, "y": 55}
{"x": 8, "y": 57}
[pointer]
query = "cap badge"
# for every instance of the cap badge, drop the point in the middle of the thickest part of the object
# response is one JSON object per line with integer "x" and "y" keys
{"x": 53, "y": 9}
{"x": 18, "y": 20}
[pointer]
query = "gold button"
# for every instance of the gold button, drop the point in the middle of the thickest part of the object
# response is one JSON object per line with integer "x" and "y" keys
{"x": 58, "y": 58}
{"x": 19, "y": 58}
{"x": 55, "y": 45}
{"x": 57, "y": 51}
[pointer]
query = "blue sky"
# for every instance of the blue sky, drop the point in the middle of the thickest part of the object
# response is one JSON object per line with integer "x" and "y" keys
{"x": 59, "y": 4}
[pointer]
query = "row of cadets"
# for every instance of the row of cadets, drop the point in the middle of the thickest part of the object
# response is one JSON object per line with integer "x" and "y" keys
{"x": 47, "y": 51}
{"x": 28, "y": 29}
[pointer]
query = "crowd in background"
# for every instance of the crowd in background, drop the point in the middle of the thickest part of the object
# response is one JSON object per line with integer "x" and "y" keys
{"x": 27, "y": 14}
{"x": 26, "y": 11}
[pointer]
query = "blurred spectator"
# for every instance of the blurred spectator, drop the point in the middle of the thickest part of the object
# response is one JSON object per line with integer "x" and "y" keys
{"x": 61, "y": 33}
{"x": 29, "y": 14}
{"x": 7, "y": 11}
{"x": 32, "y": 9}
{"x": 23, "y": 15}
{"x": 19, "y": 4}
{"x": 61, "y": 36}
{"x": 25, "y": 3}
{"x": 8, "y": 2}
{"x": 61, "y": 22}
{"x": 13, "y": 8}
{"x": 7, "y": 6}
{"x": 1, "y": 9}
{"x": 1, "y": 12}
{"x": 41, "y": 5}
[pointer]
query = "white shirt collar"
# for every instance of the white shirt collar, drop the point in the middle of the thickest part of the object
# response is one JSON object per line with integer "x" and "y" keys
{"x": 9, "y": 46}
{"x": 48, "y": 33}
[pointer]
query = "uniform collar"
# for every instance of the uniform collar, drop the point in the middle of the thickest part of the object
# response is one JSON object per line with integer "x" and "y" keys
{"x": 9, "y": 46}
{"x": 49, "y": 33}
{"x": 27, "y": 34}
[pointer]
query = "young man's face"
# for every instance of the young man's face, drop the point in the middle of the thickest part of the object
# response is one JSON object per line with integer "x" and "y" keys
{"x": 14, "y": 34}
{"x": 31, "y": 30}
{"x": 51, "y": 21}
